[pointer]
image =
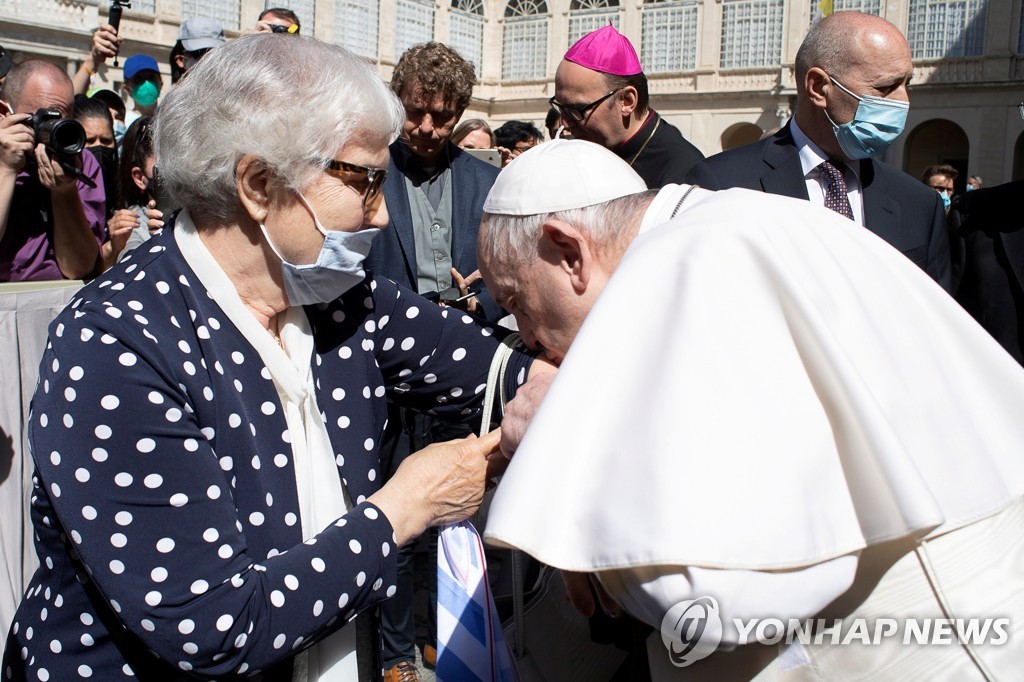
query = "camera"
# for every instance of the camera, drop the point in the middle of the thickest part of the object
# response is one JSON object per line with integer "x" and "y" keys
{"x": 62, "y": 136}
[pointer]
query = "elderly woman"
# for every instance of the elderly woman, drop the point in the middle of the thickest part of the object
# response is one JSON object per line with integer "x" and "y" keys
{"x": 207, "y": 497}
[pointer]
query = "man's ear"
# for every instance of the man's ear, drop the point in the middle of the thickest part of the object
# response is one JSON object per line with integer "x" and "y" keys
{"x": 564, "y": 245}
{"x": 817, "y": 84}
{"x": 628, "y": 101}
{"x": 252, "y": 182}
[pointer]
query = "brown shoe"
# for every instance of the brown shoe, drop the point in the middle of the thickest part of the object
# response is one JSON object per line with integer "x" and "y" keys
{"x": 404, "y": 671}
{"x": 429, "y": 657}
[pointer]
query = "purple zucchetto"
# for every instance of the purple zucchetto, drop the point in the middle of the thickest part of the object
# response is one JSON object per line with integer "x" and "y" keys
{"x": 607, "y": 51}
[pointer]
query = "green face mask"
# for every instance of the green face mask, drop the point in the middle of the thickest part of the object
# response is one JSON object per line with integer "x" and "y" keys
{"x": 145, "y": 94}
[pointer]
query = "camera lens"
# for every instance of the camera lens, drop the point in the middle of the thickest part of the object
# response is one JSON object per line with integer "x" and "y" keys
{"x": 64, "y": 136}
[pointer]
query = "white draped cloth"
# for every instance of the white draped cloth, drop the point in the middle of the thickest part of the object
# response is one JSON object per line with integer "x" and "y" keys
{"x": 322, "y": 498}
{"x": 763, "y": 385}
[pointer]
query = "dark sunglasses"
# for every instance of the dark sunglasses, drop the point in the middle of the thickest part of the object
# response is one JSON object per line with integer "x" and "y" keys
{"x": 575, "y": 113}
{"x": 369, "y": 187}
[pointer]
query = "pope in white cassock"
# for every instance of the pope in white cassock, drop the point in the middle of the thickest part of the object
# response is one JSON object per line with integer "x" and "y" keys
{"x": 767, "y": 405}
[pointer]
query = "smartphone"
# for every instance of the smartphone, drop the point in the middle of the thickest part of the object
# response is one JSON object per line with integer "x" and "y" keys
{"x": 491, "y": 156}
{"x": 159, "y": 193}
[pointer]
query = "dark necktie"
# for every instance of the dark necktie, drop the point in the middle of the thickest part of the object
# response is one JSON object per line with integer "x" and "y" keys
{"x": 836, "y": 198}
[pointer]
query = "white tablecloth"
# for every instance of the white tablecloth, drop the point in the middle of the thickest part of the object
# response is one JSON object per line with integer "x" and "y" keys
{"x": 25, "y": 312}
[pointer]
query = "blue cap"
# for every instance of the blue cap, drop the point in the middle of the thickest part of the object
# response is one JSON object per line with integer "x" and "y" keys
{"x": 139, "y": 62}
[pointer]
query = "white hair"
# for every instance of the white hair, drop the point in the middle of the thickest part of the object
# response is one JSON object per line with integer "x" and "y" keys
{"x": 507, "y": 239}
{"x": 291, "y": 103}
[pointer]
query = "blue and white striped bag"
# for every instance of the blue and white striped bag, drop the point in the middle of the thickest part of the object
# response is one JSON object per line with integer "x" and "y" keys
{"x": 470, "y": 642}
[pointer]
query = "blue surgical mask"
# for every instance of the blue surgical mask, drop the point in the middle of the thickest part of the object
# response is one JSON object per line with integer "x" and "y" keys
{"x": 971, "y": 188}
{"x": 946, "y": 200}
{"x": 119, "y": 130}
{"x": 338, "y": 268}
{"x": 876, "y": 125}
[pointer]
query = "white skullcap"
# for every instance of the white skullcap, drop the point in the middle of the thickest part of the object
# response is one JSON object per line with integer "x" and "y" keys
{"x": 559, "y": 176}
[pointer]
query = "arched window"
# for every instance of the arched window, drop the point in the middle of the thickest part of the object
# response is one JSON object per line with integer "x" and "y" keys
{"x": 304, "y": 9}
{"x": 467, "y": 31}
{"x": 586, "y": 16}
{"x": 751, "y": 33}
{"x": 525, "y": 40}
{"x": 355, "y": 26}
{"x": 224, "y": 12}
{"x": 669, "y": 36}
{"x": 946, "y": 28}
{"x": 414, "y": 24}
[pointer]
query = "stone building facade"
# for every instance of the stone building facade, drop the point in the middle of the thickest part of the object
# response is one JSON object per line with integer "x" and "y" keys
{"x": 720, "y": 70}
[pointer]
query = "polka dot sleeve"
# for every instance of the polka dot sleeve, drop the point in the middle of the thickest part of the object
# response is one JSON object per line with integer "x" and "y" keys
{"x": 151, "y": 513}
{"x": 436, "y": 359}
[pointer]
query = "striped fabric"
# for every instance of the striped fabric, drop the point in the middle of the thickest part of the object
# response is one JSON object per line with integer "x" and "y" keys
{"x": 470, "y": 642}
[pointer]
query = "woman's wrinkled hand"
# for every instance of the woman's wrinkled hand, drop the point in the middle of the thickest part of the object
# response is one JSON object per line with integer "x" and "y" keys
{"x": 442, "y": 483}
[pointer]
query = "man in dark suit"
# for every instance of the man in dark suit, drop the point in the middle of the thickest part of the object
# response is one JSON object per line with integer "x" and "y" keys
{"x": 434, "y": 194}
{"x": 991, "y": 277}
{"x": 852, "y": 72}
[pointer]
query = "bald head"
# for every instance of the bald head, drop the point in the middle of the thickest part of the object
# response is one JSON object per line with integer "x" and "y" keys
{"x": 844, "y": 58}
{"x": 847, "y": 41}
{"x": 36, "y": 84}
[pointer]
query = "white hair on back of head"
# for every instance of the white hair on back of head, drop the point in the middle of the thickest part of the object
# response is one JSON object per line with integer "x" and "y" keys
{"x": 291, "y": 103}
{"x": 508, "y": 239}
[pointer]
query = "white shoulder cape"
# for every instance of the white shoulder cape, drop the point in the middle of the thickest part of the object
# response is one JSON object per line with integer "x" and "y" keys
{"x": 763, "y": 385}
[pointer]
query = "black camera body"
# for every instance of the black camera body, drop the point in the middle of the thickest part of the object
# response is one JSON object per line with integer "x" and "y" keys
{"x": 62, "y": 136}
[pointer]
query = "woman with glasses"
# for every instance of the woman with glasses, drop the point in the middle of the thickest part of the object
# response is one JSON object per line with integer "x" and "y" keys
{"x": 208, "y": 497}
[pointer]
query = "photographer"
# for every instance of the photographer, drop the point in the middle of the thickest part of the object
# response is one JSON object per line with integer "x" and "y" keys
{"x": 51, "y": 223}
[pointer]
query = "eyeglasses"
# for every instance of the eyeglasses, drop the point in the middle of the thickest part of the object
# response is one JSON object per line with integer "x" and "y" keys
{"x": 577, "y": 114}
{"x": 368, "y": 187}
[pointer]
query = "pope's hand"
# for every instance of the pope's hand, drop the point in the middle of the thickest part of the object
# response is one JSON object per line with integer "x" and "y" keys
{"x": 580, "y": 590}
{"x": 520, "y": 411}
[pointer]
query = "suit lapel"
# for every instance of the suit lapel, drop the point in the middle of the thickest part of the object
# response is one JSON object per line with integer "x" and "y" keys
{"x": 460, "y": 180}
{"x": 784, "y": 174}
{"x": 400, "y": 216}
{"x": 881, "y": 211}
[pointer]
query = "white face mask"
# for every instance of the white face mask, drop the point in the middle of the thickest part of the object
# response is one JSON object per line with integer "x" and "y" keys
{"x": 338, "y": 268}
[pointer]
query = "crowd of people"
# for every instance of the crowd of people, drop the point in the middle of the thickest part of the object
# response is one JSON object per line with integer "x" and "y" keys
{"x": 754, "y": 376}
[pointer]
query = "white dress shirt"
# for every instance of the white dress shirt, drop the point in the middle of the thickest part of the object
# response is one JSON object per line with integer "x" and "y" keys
{"x": 811, "y": 157}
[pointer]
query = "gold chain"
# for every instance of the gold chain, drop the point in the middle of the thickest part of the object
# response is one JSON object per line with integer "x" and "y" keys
{"x": 637, "y": 156}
